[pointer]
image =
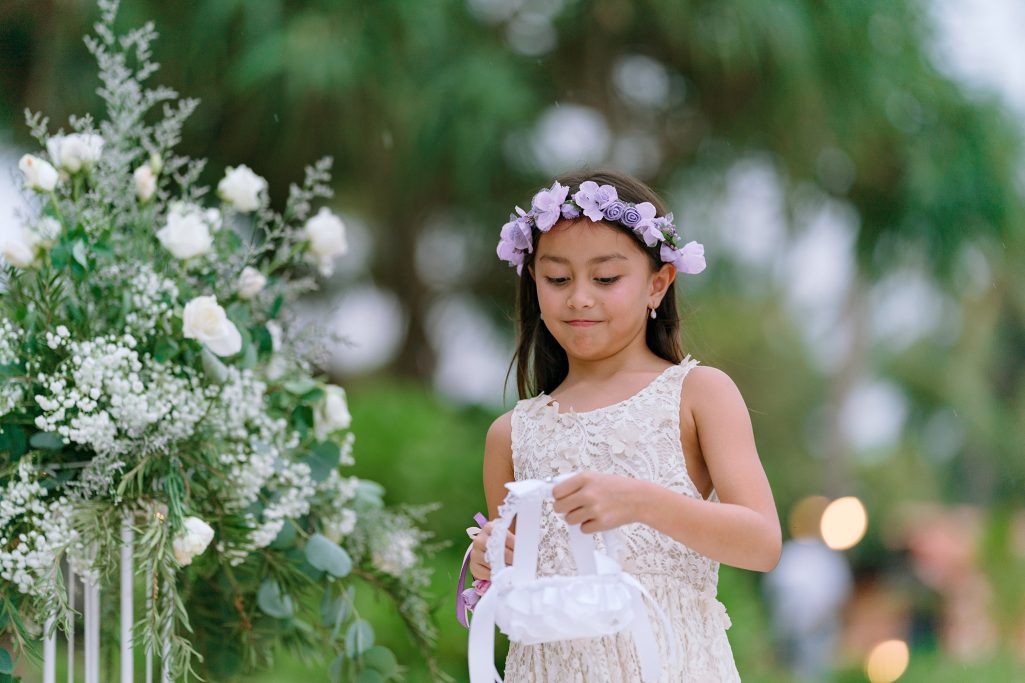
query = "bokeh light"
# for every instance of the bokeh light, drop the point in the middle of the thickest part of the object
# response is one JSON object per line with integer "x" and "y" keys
{"x": 844, "y": 522}
{"x": 887, "y": 661}
{"x": 806, "y": 517}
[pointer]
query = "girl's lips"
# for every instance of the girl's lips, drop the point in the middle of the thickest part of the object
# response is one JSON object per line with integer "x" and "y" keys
{"x": 582, "y": 323}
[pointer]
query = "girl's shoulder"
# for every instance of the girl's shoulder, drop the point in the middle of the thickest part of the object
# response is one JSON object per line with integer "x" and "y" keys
{"x": 501, "y": 429}
{"x": 708, "y": 389}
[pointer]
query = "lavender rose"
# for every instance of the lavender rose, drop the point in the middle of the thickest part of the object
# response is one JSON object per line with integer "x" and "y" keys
{"x": 615, "y": 211}
{"x": 631, "y": 217}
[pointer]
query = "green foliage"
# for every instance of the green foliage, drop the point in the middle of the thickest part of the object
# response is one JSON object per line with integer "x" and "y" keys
{"x": 326, "y": 555}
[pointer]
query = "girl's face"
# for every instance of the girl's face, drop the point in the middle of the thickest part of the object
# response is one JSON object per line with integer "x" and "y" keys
{"x": 594, "y": 287}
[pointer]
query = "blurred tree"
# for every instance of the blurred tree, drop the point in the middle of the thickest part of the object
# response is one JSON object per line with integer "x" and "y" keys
{"x": 417, "y": 102}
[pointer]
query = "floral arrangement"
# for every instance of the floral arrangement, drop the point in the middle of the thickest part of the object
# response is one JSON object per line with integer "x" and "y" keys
{"x": 151, "y": 371}
{"x": 597, "y": 203}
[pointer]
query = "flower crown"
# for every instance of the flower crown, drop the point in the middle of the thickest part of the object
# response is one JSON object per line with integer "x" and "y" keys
{"x": 598, "y": 203}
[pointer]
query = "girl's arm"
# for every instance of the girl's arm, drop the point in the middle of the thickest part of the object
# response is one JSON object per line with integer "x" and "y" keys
{"x": 741, "y": 530}
{"x": 498, "y": 470}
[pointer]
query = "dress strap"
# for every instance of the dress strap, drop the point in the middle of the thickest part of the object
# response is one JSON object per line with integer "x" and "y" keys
{"x": 675, "y": 377}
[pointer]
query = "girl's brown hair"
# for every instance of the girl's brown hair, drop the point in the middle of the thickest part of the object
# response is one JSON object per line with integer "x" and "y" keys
{"x": 541, "y": 364}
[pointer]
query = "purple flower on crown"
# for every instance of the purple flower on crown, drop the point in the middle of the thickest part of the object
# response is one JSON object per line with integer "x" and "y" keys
{"x": 515, "y": 257}
{"x": 690, "y": 259}
{"x": 518, "y": 232}
{"x": 665, "y": 225}
{"x": 592, "y": 198}
{"x": 614, "y": 211}
{"x": 547, "y": 206}
{"x": 570, "y": 211}
{"x": 642, "y": 219}
{"x": 631, "y": 217}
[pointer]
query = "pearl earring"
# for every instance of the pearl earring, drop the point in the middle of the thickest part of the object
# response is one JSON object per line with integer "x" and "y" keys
{"x": 653, "y": 314}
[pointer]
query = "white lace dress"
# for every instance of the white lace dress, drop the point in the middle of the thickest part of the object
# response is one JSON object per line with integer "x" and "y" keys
{"x": 640, "y": 438}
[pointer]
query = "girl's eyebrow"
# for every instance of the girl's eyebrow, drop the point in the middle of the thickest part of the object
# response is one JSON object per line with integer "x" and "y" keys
{"x": 596, "y": 259}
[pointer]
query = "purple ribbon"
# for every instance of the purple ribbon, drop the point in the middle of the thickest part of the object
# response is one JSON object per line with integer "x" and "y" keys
{"x": 467, "y": 599}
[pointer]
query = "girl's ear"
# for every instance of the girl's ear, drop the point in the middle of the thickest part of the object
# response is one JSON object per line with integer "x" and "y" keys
{"x": 662, "y": 279}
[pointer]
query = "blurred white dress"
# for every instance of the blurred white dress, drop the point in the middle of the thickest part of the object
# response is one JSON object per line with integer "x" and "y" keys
{"x": 640, "y": 438}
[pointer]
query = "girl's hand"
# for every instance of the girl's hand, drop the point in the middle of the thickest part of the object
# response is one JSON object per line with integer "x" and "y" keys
{"x": 598, "y": 502}
{"x": 478, "y": 566}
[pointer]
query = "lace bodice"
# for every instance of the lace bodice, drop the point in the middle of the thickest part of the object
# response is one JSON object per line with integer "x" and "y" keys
{"x": 640, "y": 438}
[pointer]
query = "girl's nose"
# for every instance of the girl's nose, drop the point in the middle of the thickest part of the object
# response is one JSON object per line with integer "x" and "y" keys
{"x": 580, "y": 297}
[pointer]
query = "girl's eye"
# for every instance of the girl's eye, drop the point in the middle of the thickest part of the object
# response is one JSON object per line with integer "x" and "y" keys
{"x": 607, "y": 280}
{"x": 557, "y": 280}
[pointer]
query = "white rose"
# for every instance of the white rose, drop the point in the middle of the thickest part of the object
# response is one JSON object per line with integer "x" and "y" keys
{"x": 21, "y": 251}
{"x": 145, "y": 182}
{"x": 241, "y": 188}
{"x": 39, "y": 174}
{"x": 187, "y": 232}
{"x": 326, "y": 233}
{"x": 75, "y": 152}
{"x": 48, "y": 229}
{"x": 205, "y": 321}
{"x": 251, "y": 282}
{"x": 332, "y": 413}
{"x": 192, "y": 540}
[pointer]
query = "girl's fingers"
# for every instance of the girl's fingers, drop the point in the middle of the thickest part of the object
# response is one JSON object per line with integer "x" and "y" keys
{"x": 480, "y": 571}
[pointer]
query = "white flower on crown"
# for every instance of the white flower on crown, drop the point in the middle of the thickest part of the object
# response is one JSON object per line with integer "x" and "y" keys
{"x": 205, "y": 321}
{"x": 75, "y": 152}
{"x": 40, "y": 175}
{"x": 242, "y": 188}
{"x": 332, "y": 413}
{"x": 251, "y": 282}
{"x": 187, "y": 232}
{"x": 145, "y": 181}
{"x": 193, "y": 539}
{"x": 22, "y": 250}
{"x": 326, "y": 234}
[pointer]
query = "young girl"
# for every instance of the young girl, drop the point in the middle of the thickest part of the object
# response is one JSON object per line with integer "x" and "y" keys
{"x": 664, "y": 449}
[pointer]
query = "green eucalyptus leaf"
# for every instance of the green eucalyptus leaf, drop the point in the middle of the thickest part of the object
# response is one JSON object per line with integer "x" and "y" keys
{"x": 323, "y": 459}
{"x": 165, "y": 349}
{"x": 213, "y": 367}
{"x": 262, "y": 339}
{"x": 333, "y": 608}
{"x": 6, "y": 662}
{"x": 47, "y": 441}
{"x": 382, "y": 659}
{"x": 369, "y": 676}
{"x": 9, "y": 370}
{"x": 325, "y": 554}
{"x": 80, "y": 253}
{"x": 369, "y": 494}
{"x": 275, "y": 307}
{"x": 248, "y": 361}
{"x": 59, "y": 256}
{"x": 238, "y": 312}
{"x": 300, "y": 386}
{"x": 13, "y": 440}
{"x": 359, "y": 638}
{"x": 337, "y": 669}
{"x": 272, "y": 602}
{"x": 302, "y": 420}
{"x": 285, "y": 537}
